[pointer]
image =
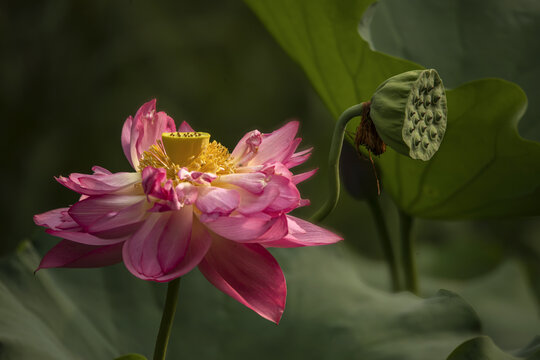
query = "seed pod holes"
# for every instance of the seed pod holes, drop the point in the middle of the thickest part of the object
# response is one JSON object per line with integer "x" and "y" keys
{"x": 409, "y": 113}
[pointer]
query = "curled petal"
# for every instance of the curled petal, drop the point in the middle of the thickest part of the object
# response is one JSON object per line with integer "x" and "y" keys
{"x": 304, "y": 233}
{"x": 288, "y": 198}
{"x": 249, "y": 274}
{"x": 276, "y": 146}
{"x": 158, "y": 187}
{"x": 196, "y": 176}
{"x": 253, "y": 182}
{"x": 247, "y": 147}
{"x": 74, "y": 255}
{"x": 153, "y": 180}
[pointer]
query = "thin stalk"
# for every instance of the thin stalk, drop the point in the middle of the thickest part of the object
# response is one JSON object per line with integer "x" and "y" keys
{"x": 407, "y": 253}
{"x": 333, "y": 161}
{"x": 386, "y": 242}
{"x": 167, "y": 319}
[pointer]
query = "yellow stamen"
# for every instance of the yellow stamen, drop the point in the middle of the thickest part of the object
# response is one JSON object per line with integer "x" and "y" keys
{"x": 215, "y": 158}
{"x": 157, "y": 157}
{"x": 190, "y": 150}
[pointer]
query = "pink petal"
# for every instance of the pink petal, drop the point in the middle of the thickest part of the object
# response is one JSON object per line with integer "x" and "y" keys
{"x": 197, "y": 249}
{"x": 247, "y": 147}
{"x": 198, "y": 177}
{"x": 174, "y": 240}
{"x": 120, "y": 223}
{"x": 275, "y": 146}
{"x": 253, "y": 181}
{"x": 240, "y": 228}
{"x": 83, "y": 237}
{"x": 147, "y": 127}
{"x": 277, "y": 169}
{"x": 279, "y": 195}
{"x": 289, "y": 153}
{"x": 110, "y": 183}
{"x": 102, "y": 207}
{"x": 253, "y": 203}
{"x": 74, "y": 255}
{"x": 214, "y": 200}
{"x": 249, "y": 274}
{"x": 126, "y": 140}
{"x": 153, "y": 125}
{"x": 54, "y": 219}
{"x": 298, "y": 178}
{"x": 164, "y": 248}
{"x": 304, "y": 233}
{"x": 184, "y": 127}
{"x": 100, "y": 183}
{"x": 288, "y": 198}
{"x": 298, "y": 158}
{"x": 153, "y": 180}
{"x": 276, "y": 232}
{"x": 100, "y": 170}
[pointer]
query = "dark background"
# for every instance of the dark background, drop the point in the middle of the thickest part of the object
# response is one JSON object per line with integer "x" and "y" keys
{"x": 73, "y": 71}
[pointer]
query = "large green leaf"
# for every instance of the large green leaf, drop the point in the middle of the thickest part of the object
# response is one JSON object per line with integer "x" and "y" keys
{"x": 331, "y": 314}
{"x": 483, "y": 169}
{"x": 483, "y": 348}
{"x": 467, "y": 40}
{"x": 502, "y": 297}
{"x": 480, "y": 348}
{"x": 131, "y": 357}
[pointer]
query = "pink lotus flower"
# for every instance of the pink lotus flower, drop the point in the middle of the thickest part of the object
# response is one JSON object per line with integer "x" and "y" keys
{"x": 190, "y": 203}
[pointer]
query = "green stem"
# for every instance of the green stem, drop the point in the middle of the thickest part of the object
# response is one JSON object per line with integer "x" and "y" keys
{"x": 333, "y": 161}
{"x": 386, "y": 242}
{"x": 167, "y": 319}
{"x": 407, "y": 253}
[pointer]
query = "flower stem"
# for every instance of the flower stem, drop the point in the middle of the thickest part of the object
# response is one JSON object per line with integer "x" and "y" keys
{"x": 333, "y": 161}
{"x": 167, "y": 319}
{"x": 386, "y": 242}
{"x": 407, "y": 253}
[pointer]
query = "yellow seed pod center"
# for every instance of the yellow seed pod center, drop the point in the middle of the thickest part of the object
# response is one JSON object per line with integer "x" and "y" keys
{"x": 183, "y": 147}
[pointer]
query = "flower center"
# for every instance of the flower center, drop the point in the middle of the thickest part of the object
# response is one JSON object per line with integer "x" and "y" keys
{"x": 192, "y": 150}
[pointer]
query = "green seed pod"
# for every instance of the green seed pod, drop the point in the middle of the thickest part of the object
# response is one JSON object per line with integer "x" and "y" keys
{"x": 409, "y": 113}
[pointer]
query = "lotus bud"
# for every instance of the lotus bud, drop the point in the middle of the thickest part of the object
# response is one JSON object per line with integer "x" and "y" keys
{"x": 409, "y": 111}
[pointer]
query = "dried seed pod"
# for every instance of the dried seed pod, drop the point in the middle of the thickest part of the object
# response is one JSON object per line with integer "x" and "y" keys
{"x": 410, "y": 101}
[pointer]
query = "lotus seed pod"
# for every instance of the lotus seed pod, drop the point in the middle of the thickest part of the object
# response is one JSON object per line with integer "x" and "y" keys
{"x": 409, "y": 113}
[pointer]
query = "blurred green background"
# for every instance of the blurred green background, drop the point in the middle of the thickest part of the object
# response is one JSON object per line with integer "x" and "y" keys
{"x": 71, "y": 72}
